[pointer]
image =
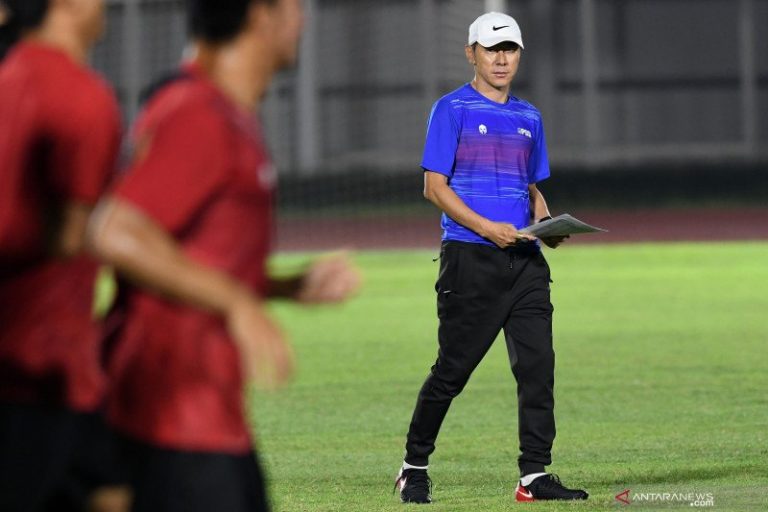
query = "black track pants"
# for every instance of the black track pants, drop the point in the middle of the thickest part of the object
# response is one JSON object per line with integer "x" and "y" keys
{"x": 480, "y": 291}
{"x": 182, "y": 481}
{"x": 52, "y": 459}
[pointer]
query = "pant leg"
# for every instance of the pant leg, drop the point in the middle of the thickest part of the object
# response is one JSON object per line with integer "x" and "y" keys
{"x": 180, "y": 481}
{"x": 96, "y": 465}
{"x": 472, "y": 306}
{"x": 36, "y": 449}
{"x": 528, "y": 333}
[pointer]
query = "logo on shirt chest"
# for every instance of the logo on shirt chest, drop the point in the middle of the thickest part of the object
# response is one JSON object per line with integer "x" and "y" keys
{"x": 521, "y": 131}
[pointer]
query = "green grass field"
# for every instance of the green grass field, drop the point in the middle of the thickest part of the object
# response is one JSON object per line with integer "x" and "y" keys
{"x": 661, "y": 385}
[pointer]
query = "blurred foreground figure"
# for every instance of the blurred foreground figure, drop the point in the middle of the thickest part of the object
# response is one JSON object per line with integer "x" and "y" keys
{"x": 59, "y": 136}
{"x": 190, "y": 227}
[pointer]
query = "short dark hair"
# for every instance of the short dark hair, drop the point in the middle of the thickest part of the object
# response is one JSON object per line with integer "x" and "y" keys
{"x": 21, "y": 15}
{"x": 218, "y": 21}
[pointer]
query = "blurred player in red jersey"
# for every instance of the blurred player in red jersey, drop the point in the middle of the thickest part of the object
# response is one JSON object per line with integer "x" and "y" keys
{"x": 59, "y": 137}
{"x": 190, "y": 227}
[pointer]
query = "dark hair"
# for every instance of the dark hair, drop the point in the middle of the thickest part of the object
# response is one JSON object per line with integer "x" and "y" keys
{"x": 20, "y": 15}
{"x": 218, "y": 21}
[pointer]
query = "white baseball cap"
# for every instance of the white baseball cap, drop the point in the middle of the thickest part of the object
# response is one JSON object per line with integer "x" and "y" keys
{"x": 493, "y": 28}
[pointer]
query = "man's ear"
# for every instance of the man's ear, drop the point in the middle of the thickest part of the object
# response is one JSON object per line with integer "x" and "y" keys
{"x": 469, "y": 51}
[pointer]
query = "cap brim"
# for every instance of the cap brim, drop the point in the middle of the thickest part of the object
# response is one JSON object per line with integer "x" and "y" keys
{"x": 493, "y": 41}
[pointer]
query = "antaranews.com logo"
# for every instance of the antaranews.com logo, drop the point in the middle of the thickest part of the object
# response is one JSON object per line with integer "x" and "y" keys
{"x": 639, "y": 497}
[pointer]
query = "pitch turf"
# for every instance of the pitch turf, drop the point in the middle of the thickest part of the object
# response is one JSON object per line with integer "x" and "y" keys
{"x": 661, "y": 385}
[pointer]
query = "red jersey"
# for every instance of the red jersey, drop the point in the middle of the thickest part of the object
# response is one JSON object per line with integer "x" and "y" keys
{"x": 59, "y": 139}
{"x": 202, "y": 172}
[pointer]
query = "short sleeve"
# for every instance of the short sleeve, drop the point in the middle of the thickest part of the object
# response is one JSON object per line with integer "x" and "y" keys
{"x": 443, "y": 132}
{"x": 538, "y": 161}
{"x": 85, "y": 148}
{"x": 181, "y": 163}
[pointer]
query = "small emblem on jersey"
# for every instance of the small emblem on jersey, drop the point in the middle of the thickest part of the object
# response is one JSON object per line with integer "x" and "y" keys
{"x": 483, "y": 129}
{"x": 523, "y": 131}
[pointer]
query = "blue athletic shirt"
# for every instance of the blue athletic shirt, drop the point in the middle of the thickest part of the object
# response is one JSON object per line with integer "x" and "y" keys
{"x": 490, "y": 153}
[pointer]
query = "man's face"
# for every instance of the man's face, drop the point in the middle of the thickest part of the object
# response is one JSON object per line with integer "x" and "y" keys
{"x": 90, "y": 17}
{"x": 286, "y": 22}
{"x": 497, "y": 65}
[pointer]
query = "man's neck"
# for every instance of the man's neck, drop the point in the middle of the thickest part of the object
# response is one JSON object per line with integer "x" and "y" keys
{"x": 492, "y": 93}
{"x": 239, "y": 69}
{"x": 63, "y": 39}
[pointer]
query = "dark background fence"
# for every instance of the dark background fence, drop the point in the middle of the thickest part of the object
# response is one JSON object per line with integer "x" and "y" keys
{"x": 646, "y": 103}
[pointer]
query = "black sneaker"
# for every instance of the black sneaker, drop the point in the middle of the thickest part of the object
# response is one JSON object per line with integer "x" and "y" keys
{"x": 414, "y": 486}
{"x": 547, "y": 487}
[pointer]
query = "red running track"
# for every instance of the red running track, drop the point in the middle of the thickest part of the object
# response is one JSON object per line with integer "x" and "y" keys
{"x": 654, "y": 225}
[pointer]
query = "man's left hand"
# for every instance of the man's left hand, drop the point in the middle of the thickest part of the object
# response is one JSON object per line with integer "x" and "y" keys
{"x": 554, "y": 241}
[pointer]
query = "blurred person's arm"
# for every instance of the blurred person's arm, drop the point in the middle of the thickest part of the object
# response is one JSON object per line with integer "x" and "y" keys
{"x": 114, "y": 498}
{"x": 142, "y": 251}
{"x": 84, "y": 152}
{"x": 328, "y": 280}
{"x": 69, "y": 238}
{"x": 437, "y": 191}
{"x": 539, "y": 212}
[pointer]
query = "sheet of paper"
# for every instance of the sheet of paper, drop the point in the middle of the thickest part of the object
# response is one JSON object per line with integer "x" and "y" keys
{"x": 561, "y": 225}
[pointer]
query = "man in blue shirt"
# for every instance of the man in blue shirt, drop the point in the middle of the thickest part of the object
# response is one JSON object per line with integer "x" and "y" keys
{"x": 484, "y": 154}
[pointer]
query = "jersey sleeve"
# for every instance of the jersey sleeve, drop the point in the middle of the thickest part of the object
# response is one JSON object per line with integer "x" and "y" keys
{"x": 85, "y": 148}
{"x": 443, "y": 132}
{"x": 180, "y": 164}
{"x": 538, "y": 161}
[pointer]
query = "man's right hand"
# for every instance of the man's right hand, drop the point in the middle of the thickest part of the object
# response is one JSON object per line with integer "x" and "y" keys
{"x": 503, "y": 234}
{"x": 265, "y": 354}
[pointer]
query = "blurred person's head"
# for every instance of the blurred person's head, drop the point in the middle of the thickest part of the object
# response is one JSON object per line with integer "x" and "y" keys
{"x": 274, "y": 26}
{"x": 66, "y": 23}
{"x": 494, "y": 49}
{"x": 18, "y": 17}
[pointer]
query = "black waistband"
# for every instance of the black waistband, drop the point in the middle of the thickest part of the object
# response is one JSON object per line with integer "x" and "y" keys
{"x": 523, "y": 248}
